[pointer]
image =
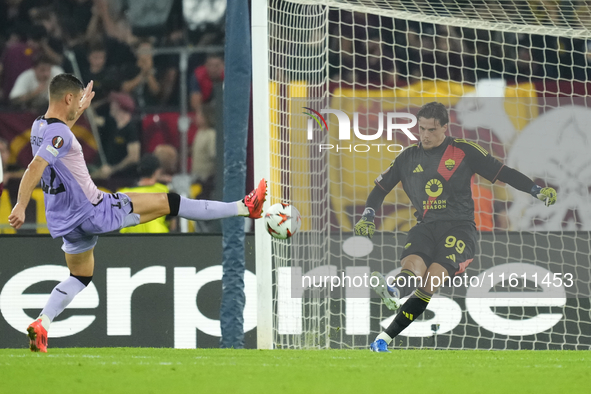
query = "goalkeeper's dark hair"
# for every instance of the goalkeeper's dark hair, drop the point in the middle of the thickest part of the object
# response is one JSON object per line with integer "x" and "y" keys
{"x": 434, "y": 110}
{"x": 63, "y": 84}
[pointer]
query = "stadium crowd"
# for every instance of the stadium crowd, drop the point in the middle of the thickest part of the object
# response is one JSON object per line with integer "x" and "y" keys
{"x": 115, "y": 44}
{"x": 373, "y": 50}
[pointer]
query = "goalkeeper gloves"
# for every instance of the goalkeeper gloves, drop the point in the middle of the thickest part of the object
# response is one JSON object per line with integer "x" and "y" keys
{"x": 546, "y": 194}
{"x": 365, "y": 226}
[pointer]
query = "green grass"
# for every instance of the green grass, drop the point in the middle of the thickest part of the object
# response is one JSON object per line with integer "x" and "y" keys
{"x": 144, "y": 370}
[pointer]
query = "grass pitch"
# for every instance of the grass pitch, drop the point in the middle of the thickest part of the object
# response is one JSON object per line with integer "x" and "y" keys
{"x": 145, "y": 370}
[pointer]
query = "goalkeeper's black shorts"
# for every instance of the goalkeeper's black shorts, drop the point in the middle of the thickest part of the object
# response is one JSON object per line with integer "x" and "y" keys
{"x": 451, "y": 244}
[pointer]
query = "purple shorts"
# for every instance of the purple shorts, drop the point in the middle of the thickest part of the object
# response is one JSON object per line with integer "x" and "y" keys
{"x": 113, "y": 213}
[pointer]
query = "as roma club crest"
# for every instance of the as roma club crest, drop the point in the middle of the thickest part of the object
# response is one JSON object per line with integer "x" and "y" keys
{"x": 450, "y": 164}
{"x": 58, "y": 142}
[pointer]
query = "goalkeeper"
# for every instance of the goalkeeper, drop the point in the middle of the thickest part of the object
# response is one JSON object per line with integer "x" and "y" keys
{"x": 436, "y": 176}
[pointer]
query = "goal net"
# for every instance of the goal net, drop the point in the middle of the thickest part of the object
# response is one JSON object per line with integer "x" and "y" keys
{"x": 343, "y": 79}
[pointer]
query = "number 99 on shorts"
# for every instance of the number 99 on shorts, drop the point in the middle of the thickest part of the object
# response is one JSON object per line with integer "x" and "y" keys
{"x": 458, "y": 244}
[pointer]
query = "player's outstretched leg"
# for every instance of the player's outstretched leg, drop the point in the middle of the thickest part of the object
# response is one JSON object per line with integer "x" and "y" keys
{"x": 150, "y": 206}
{"x": 251, "y": 206}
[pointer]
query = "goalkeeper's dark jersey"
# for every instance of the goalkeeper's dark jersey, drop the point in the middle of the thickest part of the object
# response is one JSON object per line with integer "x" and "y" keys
{"x": 438, "y": 181}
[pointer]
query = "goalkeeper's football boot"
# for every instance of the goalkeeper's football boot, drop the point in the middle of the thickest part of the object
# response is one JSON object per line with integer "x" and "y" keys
{"x": 389, "y": 294}
{"x": 37, "y": 337}
{"x": 379, "y": 346}
{"x": 255, "y": 199}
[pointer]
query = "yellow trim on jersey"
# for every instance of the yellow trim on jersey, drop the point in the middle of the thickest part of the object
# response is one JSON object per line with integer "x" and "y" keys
{"x": 473, "y": 144}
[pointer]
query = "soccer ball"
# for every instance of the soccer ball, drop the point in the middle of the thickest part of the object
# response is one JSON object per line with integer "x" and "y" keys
{"x": 282, "y": 220}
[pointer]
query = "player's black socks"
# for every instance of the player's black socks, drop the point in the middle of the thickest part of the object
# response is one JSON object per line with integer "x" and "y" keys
{"x": 85, "y": 280}
{"x": 174, "y": 203}
{"x": 406, "y": 282}
{"x": 409, "y": 312}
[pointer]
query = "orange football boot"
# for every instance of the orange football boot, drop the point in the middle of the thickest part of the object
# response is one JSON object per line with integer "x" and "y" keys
{"x": 37, "y": 337}
{"x": 255, "y": 199}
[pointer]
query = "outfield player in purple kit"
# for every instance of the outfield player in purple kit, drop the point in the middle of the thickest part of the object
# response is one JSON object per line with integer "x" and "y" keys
{"x": 77, "y": 211}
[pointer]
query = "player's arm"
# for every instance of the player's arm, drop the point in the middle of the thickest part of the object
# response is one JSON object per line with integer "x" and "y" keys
{"x": 30, "y": 180}
{"x": 523, "y": 183}
{"x": 484, "y": 164}
{"x": 85, "y": 101}
{"x": 383, "y": 185}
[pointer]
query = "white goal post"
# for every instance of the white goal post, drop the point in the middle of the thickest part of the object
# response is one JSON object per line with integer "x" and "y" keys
{"x": 515, "y": 77}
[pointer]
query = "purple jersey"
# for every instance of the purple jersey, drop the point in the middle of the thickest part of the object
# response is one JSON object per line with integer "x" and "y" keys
{"x": 70, "y": 193}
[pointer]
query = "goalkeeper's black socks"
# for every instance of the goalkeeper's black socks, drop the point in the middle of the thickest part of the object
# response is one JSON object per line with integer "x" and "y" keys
{"x": 409, "y": 312}
{"x": 406, "y": 282}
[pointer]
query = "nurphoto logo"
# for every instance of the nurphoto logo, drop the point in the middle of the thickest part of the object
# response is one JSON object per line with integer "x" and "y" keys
{"x": 345, "y": 130}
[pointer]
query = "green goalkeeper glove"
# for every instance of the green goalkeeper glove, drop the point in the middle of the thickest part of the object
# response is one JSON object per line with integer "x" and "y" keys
{"x": 546, "y": 194}
{"x": 365, "y": 226}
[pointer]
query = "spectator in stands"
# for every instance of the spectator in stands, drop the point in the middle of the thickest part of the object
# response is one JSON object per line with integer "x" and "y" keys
{"x": 11, "y": 171}
{"x": 149, "y": 17}
{"x": 149, "y": 84}
{"x": 120, "y": 139}
{"x": 75, "y": 15}
{"x": 204, "y": 148}
{"x": 31, "y": 89}
{"x": 105, "y": 78}
{"x": 52, "y": 44}
{"x": 149, "y": 172}
{"x": 448, "y": 52}
{"x": 19, "y": 54}
{"x": 203, "y": 79}
{"x": 9, "y": 17}
{"x": 109, "y": 17}
{"x": 380, "y": 65}
{"x": 169, "y": 159}
{"x": 205, "y": 19}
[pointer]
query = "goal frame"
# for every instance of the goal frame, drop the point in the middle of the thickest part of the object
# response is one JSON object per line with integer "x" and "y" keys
{"x": 261, "y": 119}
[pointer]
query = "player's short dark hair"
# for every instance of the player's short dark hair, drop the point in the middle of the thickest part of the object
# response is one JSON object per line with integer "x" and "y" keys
{"x": 148, "y": 166}
{"x": 63, "y": 84}
{"x": 434, "y": 110}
